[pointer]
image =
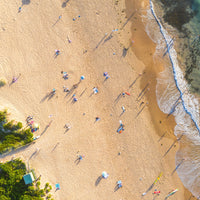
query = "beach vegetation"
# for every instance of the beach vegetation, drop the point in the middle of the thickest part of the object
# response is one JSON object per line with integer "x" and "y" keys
{"x": 47, "y": 188}
{"x": 3, "y": 81}
{"x": 12, "y": 134}
{"x": 13, "y": 187}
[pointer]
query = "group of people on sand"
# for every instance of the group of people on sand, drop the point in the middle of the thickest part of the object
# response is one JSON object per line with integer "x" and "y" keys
{"x": 34, "y": 127}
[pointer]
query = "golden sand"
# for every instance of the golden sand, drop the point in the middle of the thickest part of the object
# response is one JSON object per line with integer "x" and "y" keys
{"x": 136, "y": 156}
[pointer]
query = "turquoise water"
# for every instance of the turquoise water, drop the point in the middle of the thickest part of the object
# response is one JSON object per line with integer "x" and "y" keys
{"x": 184, "y": 17}
{"x": 177, "y": 27}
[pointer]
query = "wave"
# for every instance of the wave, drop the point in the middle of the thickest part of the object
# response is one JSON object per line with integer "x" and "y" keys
{"x": 173, "y": 97}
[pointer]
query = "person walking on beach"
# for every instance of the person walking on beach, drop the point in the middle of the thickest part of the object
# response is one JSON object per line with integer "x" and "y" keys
{"x": 53, "y": 91}
{"x": 15, "y": 78}
{"x": 97, "y": 119}
{"x": 67, "y": 126}
{"x": 79, "y": 158}
{"x": 119, "y": 184}
{"x": 57, "y": 53}
{"x": 65, "y": 89}
{"x": 106, "y": 75}
{"x": 68, "y": 39}
{"x": 75, "y": 99}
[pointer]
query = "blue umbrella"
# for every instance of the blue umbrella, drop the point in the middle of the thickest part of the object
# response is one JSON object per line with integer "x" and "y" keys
{"x": 57, "y": 186}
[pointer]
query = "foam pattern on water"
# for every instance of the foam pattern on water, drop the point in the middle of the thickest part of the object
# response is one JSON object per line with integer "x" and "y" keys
{"x": 173, "y": 97}
{"x": 189, "y": 106}
{"x": 189, "y": 170}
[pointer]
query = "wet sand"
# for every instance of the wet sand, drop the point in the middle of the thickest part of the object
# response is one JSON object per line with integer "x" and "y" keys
{"x": 144, "y": 49}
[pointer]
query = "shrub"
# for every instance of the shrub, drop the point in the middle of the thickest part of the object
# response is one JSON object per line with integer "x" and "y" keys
{"x": 42, "y": 193}
{"x": 3, "y": 81}
{"x": 12, "y": 135}
{"x": 8, "y": 126}
{"x": 49, "y": 196}
{"x": 12, "y": 185}
{"x": 50, "y": 187}
{"x": 38, "y": 184}
{"x": 47, "y": 190}
{"x": 3, "y": 116}
{"x": 46, "y": 185}
{"x": 19, "y": 125}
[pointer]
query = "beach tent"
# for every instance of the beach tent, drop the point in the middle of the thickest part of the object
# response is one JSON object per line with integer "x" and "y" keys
{"x": 28, "y": 178}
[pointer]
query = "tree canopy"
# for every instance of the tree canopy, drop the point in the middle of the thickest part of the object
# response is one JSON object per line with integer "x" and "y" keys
{"x": 11, "y": 133}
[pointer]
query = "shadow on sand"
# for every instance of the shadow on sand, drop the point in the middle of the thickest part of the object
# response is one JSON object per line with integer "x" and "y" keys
{"x": 77, "y": 161}
{"x": 26, "y": 2}
{"x": 55, "y": 146}
{"x": 47, "y": 126}
{"x": 116, "y": 188}
{"x": 98, "y": 180}
{"x": 173, "y": 144}
{"x": 64, "y": 4}
{"x": 129, "y": 18}
{"x": 48, "y": 96}
{"x": 118, "y": 98}
{"x": 34, "y": 154}
{"x": 10, "y": 153}
{"x": 124, "y": 52}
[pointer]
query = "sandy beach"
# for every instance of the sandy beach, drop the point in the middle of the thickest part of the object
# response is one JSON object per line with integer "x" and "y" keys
{"x": 91, "y": 37}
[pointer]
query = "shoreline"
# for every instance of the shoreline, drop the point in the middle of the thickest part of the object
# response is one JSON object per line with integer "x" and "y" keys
{"x": 152, "y": 69}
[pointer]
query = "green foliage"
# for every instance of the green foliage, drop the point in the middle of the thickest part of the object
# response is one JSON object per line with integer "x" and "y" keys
{"x": 47, "y": 188}
{"x": 11, "y": 134}
{"x": 3, "y": 116}
{"x": 42, "y": 193}
{"x": 49, "y": 196}
{"x": 38, "y": 184}
{"x": 12, "y": 186}
{"x": 46, "y": 185}
{"x": 3, "y": 81}
{"x": 19, "y": 125}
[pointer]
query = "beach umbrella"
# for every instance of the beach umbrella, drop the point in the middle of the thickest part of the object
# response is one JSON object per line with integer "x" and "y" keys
{"x": 82, "y": 77}
{"x": 57, "y": 186}
{"x": 104, "y": 174}
{"x": 35, "y": 125}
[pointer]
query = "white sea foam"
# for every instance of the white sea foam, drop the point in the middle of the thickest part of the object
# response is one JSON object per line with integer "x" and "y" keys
{"x": 173, "y": 97}
{"x": 175, "y": 83}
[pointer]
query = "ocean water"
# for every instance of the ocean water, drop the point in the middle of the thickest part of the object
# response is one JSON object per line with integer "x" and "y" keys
{"x": 175, "y": 27}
